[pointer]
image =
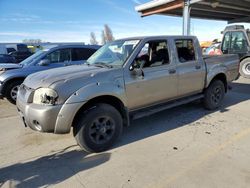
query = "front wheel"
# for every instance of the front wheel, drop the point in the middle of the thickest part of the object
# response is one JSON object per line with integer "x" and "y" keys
{"x": 214, "y": 95}
{"x": 245, "y": 68}
{"x": 11, "y": 91}
{"x": 98, "y": 128}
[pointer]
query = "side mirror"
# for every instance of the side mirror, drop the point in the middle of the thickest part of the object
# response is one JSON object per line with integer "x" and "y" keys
{"x": 44, "y": 62}
{"x": 135, "y": 71}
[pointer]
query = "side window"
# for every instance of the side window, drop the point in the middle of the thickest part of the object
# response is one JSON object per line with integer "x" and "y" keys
{"x": 185, "y": 50}
{"x": 82, "y": 53}
{"x": 226, "y": 43}
{"x": 59, "y": 56}
{"x": 152, "y": 54}
{"x": 239, "y": 42}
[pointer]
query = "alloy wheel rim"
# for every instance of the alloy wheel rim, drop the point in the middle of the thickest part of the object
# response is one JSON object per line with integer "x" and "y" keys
{"x": 13, "y": 92}
{"x": 102, "y": 129}
{"x": 216, "y": 95}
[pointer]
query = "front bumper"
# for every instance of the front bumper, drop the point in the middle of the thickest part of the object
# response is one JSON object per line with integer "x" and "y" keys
{"x": 45, "y": 118}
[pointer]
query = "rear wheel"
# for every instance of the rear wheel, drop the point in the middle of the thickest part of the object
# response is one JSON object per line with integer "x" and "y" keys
{"x": 245, "y": 68}
{"x": 214, "y": 95}
{"x": 11, "y": 91}
{"x": 98, "y": 128}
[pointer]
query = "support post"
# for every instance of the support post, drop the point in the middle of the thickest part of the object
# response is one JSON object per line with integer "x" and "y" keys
{"x": 186, "y": 17}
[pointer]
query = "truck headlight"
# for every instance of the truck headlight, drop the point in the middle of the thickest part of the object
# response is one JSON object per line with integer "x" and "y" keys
{"x": 45, "y": 96}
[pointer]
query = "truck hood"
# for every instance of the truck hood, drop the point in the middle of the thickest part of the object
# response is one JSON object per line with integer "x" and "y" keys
{"x": 8, "y": 66}
{"x": 64, "y": 74}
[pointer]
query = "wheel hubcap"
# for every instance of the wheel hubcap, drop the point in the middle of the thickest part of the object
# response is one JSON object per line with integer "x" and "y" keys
{"x": 13, "y": 92}
{"x": 217, "y": 95}
{"x": 102, "y": 129}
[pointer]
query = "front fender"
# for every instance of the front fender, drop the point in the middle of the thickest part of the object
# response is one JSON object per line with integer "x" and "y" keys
{"x": 79, "y": 98}
{"x": 94, "y": 90}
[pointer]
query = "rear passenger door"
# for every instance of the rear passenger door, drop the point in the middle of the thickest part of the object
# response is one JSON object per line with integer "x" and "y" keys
{"x": 190, "y": 68}
{"x": 80, "y": 55}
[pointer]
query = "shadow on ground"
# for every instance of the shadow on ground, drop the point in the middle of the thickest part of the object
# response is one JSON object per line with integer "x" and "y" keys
{"x": 51, "y": 169}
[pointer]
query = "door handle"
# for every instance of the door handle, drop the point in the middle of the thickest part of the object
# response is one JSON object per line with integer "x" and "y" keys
{"x": 172, "y": 71}
{"x": 197, "y": 67}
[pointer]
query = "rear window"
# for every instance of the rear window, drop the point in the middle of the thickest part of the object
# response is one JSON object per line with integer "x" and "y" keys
{"x": 82, "y": 53}
{"x": 185, "y": 50}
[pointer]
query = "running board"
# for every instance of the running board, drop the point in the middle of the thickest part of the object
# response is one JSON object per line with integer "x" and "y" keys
{"x": 155, "y": 109}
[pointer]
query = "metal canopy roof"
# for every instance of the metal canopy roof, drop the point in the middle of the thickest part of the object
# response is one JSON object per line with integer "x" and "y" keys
{"x": 231, "y": 11}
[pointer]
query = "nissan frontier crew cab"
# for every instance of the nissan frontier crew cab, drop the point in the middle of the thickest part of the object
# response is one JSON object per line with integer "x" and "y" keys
{"x": 124, "y": 80}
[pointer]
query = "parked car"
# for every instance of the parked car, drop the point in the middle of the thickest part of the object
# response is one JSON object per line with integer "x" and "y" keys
{"x": 236, "y": 40}
{"x": 20, "y": 55}
{"x": 9, "y": 50}
{"x": 119, "y": 83}
{"x": 3, "y": 49}
{"x": 19, "y": 51}
{"x": 12, "y": 75}
{"x": 7, "y": 59}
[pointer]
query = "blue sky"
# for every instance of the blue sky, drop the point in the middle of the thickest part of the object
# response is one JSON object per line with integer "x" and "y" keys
{"x": 73, "y": 20}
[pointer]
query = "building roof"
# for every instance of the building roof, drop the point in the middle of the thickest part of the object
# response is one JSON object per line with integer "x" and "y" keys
{"x": 232, "y": 11}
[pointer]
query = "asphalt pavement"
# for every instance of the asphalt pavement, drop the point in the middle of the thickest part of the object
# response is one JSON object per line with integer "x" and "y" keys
{"x": 187, "y": 146}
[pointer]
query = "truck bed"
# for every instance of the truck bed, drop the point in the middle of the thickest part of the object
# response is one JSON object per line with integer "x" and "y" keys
{"x": 228, "y": 64}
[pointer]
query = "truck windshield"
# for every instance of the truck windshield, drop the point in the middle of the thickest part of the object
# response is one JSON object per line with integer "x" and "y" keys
{"x": 32, "y": 58}
{"x": 113, "y": 54}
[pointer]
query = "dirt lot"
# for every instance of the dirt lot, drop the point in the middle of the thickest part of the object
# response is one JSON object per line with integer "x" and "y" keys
{"x": 182, "y": 147}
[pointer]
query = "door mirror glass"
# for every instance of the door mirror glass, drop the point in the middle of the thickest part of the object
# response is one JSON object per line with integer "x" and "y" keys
{"x": 138, "y": 72}
{"x": 44, "y": 62}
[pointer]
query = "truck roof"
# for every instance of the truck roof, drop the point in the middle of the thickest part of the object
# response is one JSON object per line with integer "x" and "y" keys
{"x": 157, "y": 37}
{"x": 234, "y": 27}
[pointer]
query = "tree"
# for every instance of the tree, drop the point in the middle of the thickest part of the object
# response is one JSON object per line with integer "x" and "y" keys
{"x": 108, "y": 34}
{"x": 93, "y": 40}
{"x": 103, "y": 38}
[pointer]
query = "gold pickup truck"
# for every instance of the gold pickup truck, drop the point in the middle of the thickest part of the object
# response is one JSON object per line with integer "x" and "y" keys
{"x": 124, "y": 80}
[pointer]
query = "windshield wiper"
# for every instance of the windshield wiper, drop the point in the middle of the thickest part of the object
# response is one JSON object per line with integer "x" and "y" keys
{"x": 102, "y": 65}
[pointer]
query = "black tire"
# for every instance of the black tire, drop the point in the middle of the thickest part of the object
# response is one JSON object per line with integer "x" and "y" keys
{"x": 10, "y": 88}
{"x": 214, "y": 95}
{"x": 101, "y": 121}
{"x": 245, "y": 68}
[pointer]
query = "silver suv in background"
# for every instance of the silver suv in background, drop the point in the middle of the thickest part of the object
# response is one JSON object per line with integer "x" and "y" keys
{"x": 12, "y": 75}
{"x": 124, "y": 80}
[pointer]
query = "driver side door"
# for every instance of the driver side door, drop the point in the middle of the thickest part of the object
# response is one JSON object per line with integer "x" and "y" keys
{"x": 157, "y": 84}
